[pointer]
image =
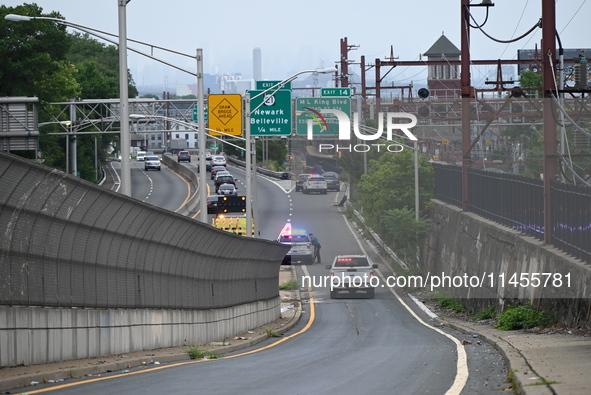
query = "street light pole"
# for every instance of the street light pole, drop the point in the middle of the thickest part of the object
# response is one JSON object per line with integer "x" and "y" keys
{"x": 124, "y": 102}
{"x": 202, "y": 142}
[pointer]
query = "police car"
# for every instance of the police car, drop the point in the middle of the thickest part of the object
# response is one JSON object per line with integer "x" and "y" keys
{"x": 301, "y": 248}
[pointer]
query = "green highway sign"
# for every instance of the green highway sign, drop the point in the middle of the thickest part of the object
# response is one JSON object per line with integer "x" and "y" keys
{"x": 196, "y": 113}
{"x": 264, "y": 85}
{"x": 335, "y": 92}
{"x": 306, "y": 109}
{"x": 273, "y": 118}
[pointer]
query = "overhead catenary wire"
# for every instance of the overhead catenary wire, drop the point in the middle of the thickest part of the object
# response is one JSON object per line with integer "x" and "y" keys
{"x": 479, "y": 27}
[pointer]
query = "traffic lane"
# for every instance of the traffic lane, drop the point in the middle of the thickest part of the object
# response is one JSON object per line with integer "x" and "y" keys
{"x": 362, "y": 346}
{"x": 273, "y": 203}
{"x": 164, "y": 188}
{"x": 319, "y": 215}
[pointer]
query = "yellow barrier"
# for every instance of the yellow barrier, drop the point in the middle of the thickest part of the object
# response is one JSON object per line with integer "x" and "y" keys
{"x": 232, "y": 224}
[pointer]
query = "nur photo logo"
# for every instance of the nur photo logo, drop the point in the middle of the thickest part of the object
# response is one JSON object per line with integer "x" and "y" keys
{"x": 344, "y": 130}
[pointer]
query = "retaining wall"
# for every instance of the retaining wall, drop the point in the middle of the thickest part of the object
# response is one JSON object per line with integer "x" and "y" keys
{"x": 468, "y": 246}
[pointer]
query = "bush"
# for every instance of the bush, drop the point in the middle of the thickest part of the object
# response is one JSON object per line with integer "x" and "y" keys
{"x": 195, "y": 353}
{"x": 485, "y": 314}
{"x": 451, "y": 303}
{"x": 290, "y": 284}
{"x": 522, "y": 317}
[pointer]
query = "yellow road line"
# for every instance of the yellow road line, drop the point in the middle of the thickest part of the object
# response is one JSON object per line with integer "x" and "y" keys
{"x": 304, "y": 329}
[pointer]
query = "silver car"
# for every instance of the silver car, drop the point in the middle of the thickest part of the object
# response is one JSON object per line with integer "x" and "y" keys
{"x": 152, "y": 162}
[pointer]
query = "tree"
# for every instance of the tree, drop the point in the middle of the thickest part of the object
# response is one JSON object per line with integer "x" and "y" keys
{"x": 389, "y": 185}
{"x": 34, "y": 57}
{"x": 98, "y": 66}
{"x": 531, "y": 79}
{"x": 40, "y": 59}
{"x": 404, "y": 231}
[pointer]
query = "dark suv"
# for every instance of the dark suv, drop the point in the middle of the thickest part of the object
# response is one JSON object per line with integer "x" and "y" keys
{"x": 332, "y": 181}
{"x": 223, "y": 179}
{"x": 300, "y": 181}
{"x": 184, "y": 156}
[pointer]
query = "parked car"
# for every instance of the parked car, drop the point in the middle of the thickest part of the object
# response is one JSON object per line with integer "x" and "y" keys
{"x": 332, "y": 181}
{"x": 228, "y": 190}
{"x": 184, "y": 156}
{"x": 315, "y": 184}
{"x": 212, "y": 204}
{"x": 215, "y": 169}
{"x": 218, "y": 160}
{"x": 300, "y": 181}
{"x": 152, "y": 162}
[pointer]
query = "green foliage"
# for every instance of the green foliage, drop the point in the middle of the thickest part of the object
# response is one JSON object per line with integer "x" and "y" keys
{"x": 400, "y": 228}
{"x": 531, "y": 79}
{"x": 531, "y": 142}
{"x": 486, "y": 313}
{"x": 196, "y": 353}
{"x": 522, "y": 317}
{"x": 451, "y": 303}
{"x": 389, "y": 185}
{"x": 291, "y": 284}
{"x": 272, "y": 333}
{"x": 41, "y": 59}
{"x": 98, "y": 66}
{"x": 34, "y": 57}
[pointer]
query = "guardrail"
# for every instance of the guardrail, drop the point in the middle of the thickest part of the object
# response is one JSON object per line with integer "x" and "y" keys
{"x": 282, "y": 175}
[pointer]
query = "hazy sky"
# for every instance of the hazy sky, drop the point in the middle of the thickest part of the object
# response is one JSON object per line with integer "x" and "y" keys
{"x": 306, "y": 34}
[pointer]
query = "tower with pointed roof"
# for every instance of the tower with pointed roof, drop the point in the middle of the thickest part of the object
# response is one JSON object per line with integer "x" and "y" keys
{"x": 443, "y": 80}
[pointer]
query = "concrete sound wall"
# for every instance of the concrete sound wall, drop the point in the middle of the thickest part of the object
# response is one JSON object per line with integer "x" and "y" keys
{"x": 78, "y": 258}
{"x": 466, "y": 247}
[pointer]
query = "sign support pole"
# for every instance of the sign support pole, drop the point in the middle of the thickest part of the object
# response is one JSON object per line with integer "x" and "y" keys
{"x": 248, "y": 165}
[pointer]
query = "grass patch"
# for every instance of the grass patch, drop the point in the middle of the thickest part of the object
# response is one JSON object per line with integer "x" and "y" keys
{"x": 486, "y": 314}
{"x": 451, "y": 303}
{"x": 196, "y": 353}
{"x": 522, "y": 317}
{"x": 271, "y": 333}
{"x": 290, "y": 284}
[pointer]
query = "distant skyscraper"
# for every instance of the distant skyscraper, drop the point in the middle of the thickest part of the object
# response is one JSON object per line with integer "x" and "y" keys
{"x": 256, "y": 64}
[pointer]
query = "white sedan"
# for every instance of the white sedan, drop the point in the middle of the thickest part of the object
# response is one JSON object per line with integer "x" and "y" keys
{"x": 218, "y": 161}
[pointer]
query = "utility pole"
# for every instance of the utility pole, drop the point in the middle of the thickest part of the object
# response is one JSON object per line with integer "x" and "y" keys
{"x": 345, "y": 48}
{"x": 550, "y": 138}
{"x": 467, "y": 93}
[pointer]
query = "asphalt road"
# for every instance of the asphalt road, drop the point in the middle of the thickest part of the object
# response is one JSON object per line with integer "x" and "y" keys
{"x": 351, "y": 345}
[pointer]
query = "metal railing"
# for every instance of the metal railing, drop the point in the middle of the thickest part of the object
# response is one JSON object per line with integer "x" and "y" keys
{"x": 518, "y": 202}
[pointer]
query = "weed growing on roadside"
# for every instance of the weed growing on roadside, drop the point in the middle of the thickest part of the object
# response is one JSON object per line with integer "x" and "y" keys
{"x": 271, "y": 333}
{"x": 290, "y": 284}
{"x": 451, "y": 303}
{"x": 196, "y": 353}
{"x": 522, "y": 317}
{"x": 486, "y": 314}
